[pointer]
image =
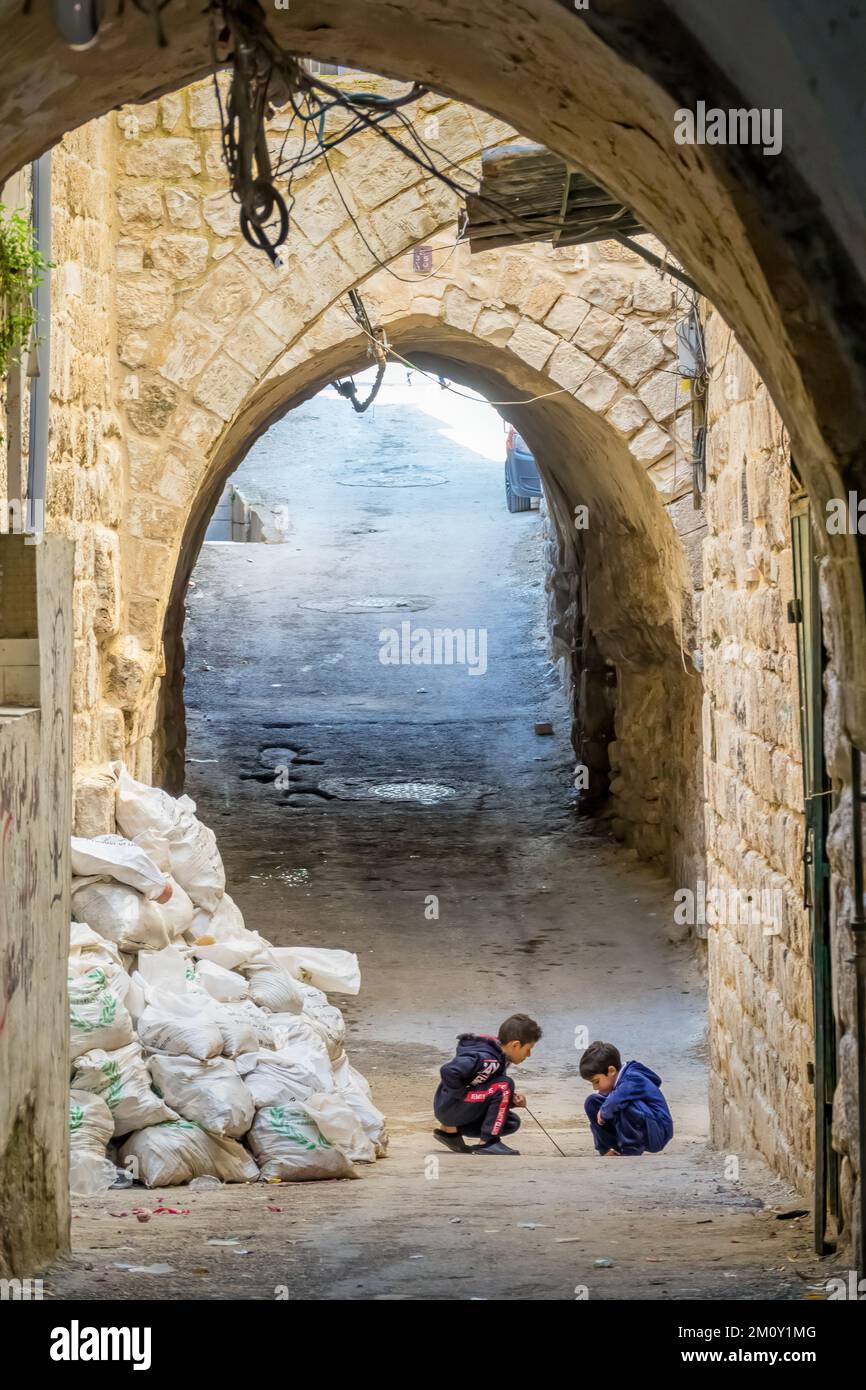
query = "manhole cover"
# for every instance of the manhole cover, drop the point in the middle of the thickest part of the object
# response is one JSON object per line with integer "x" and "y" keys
{"x": 423, "y": 793}
{"x": 371, "y": 603}
{"x": 418, "y": 793}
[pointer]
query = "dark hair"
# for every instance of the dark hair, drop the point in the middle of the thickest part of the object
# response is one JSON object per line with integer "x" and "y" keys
{"x": 519, "y": 1028}
{"x": 597, "y": 1058}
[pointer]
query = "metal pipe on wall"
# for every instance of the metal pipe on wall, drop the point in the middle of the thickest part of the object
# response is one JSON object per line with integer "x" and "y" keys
{"x": 39, "y": 360}
{"x": 858, "y": 933}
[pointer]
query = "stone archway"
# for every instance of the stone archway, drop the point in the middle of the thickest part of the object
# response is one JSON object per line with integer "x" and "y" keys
{"x": 638, "y": 606}
{"x": 214, "y": 343}
{"x": 206, "y": 329}
{"x": 597, "y": 87}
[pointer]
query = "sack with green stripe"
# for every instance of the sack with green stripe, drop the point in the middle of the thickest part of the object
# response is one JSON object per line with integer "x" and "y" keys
{"x": 91, "y": 1125}
{"x": 170, "y": 1154}
{"x": 288, "y": 1145}
{"x": 122, "y": 1080}
{"x": 97, "y": 1018}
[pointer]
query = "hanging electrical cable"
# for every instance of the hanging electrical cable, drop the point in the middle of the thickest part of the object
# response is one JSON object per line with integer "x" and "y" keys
{"x": 378, "y": 348}
{"x": 265, "y": 78}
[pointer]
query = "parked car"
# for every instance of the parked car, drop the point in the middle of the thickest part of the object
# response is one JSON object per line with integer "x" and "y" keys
{"x": 522, "y": 482}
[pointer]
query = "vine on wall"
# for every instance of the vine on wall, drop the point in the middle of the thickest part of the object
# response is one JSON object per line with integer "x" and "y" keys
{"x": 21, "y": 268}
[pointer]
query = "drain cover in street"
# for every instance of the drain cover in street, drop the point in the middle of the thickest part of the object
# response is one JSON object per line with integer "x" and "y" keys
{"x": 421, "y": 793}
{"x": 424, "y": 793}
{"x": 371, "y": 603}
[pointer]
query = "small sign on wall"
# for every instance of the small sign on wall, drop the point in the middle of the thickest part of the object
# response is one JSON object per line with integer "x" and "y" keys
{"x": 422, "y": 259}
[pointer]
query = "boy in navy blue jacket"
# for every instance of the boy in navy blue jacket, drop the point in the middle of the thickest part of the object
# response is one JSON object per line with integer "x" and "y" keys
{"x": 627, "y": 1112}
{"x": 475, "y": 1096}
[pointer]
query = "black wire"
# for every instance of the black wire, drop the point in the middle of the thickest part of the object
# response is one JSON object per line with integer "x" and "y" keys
{"x": 255, "y": 32}
{"x": 349, "y": 392}
{"x": 296, "y": 76}
{"x": 383, "y": 265}
{"x": 435, "y": 172}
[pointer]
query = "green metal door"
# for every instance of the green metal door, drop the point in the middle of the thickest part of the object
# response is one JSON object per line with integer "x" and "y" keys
{"x": 805, "y": 612}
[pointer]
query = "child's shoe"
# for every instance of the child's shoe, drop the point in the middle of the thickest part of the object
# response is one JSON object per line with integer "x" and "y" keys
{"x": 454, "y": 1142}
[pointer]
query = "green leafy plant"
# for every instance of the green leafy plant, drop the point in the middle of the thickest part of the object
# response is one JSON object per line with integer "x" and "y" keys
{"x": 21, "y": 269}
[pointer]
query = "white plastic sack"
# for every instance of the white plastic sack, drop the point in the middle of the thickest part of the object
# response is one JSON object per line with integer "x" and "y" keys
{"x": 143, "y": 810}
{"x": 90, "y": 1175}
{"x": 178, "y": 911}
{"x": 338, "y": 1122}
{"x": 163, "y": 971}
{"x": 287, "y": 1145}
{"x": 120, "y": 914}
{"x": 195, "y": 859}
{"x": 87, "y": 949}
{"x": 123, "y": 1081}
{"x": 211, "y": 1094}
{"x": 239, "y": 1030}
{"x": 289, "y": 1030}
{"x": 329, "y": 1023}
{"x": 355, "y": 1090}
{"x": 272, "y": 987}
{"x": 355, "y": 1087}
{"x": 224, "y": 923}
{"x": 169, "y": 1154}
{"x": 226, "y": 986}
{"x": 91, "y": 1123}
{"x": 337, "y": 972}
{"x": 289, "y": 1075}
{"x": 231, "y": 955}
{"x": 181, "y": 1027}
{"x": 134, "y": 999}
{"x": 97, "y": 1017}
{"x": 156, "y": 847}
{"x": 115, "y": 858}
{"x": 370, "y": 1117}
{"x": 192, "y": 847}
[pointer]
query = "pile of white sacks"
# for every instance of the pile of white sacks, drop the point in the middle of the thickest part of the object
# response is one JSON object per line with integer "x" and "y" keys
{"x": 198, "y": 1049}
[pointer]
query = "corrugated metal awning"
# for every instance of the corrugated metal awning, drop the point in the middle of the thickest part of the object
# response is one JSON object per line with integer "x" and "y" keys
{"x": 529, "y": 194}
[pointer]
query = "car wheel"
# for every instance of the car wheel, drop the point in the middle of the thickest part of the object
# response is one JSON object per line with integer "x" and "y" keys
{"x": 515, "y": 503}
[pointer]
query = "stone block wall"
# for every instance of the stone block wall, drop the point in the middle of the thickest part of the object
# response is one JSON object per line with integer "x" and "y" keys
{"x": 86, "y": 465}
{"x": 760, "y": 1002}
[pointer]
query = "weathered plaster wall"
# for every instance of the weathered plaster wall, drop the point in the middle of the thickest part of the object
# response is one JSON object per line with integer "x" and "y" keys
{"x": 35, "y": 818}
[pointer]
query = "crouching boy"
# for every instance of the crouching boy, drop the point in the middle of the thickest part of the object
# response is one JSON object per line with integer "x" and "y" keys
{"x": 475, "y": 1097}
{"x": 627, "y": 1112}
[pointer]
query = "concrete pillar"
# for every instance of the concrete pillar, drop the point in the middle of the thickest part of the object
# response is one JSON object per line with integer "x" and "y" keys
{"x": 35, "y": 825}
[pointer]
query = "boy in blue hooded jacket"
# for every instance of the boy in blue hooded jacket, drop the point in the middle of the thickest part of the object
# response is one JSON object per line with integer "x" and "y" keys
{"x": 627, "y": 1112}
